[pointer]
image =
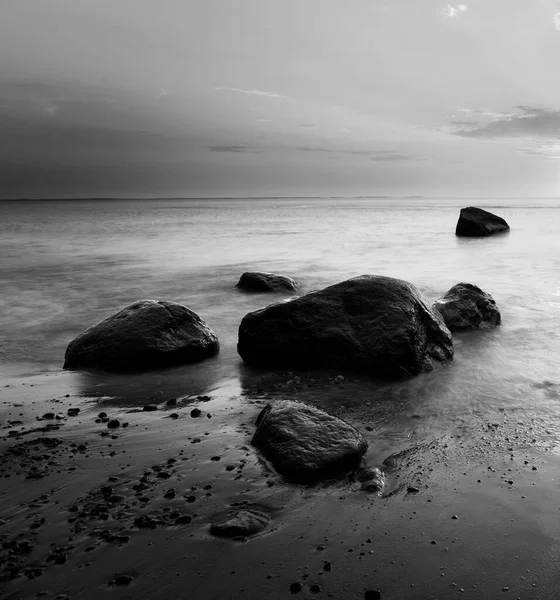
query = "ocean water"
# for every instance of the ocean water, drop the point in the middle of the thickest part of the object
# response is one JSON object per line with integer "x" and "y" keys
{"x": 65, "y": 265}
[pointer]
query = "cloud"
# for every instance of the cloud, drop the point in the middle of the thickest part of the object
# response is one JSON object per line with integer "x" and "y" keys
{"x": 231, "y": 149}
{"x": 50, "y": 108}
{"x": 389, "y": 156}
{"x": 312, "y": 149}
{"x": 451, "y": 11}
{"x": 256, "y": 93}
{"x": 371, "y": 154}
{"x": 526, "y": 122}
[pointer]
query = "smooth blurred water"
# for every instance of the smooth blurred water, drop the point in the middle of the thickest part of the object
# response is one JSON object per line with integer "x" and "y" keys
{"x": 67, "y": 264}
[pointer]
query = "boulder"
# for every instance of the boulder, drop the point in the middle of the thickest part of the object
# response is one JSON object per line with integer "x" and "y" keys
{"x": 466, "y": 306}
{"x": 372, "y": 324}
{"x": 475, "y": 222}
{"x": 305, "y": 442}
{"x": 258, "y": 281}
{"x": 241, "y": 523}
{"x": 148, "y": 334}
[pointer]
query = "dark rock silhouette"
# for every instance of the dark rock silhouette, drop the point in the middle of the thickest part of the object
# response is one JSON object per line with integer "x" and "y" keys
{"x": 475, "y": 222}
{"x": 305, "y": 442}
{"x": 241, "y": 523}
{"x": 466, "y": 306}
{"x": 373, "y": 324}
{"x": 148, "y": 334}
{"x": 258, "y": 281}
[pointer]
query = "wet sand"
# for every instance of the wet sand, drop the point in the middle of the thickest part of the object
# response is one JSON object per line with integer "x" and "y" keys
{"x": 470, "y": 511}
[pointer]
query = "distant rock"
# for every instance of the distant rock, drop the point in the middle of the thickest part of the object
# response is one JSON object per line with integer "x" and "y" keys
{"x": 475, "y": 222}
{"x": 258, "y": 281}
{"x": 305, "y": 442}
{"x": 149, "y": 334}
{"x": 466, "y": 306}
{"x": 241, "y": 523}
{"x": 373, "y": 324}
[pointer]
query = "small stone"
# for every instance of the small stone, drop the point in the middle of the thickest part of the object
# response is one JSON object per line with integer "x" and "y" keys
{"x": 171, "y": 402}
{"x": 412, "y": 490}
{"x": 296, "y": 587}
{"x": 195, "y": 413}
{"x": 113, "y": 424}
{"x": 315, "y": 588}
{"x": 454, "y": 517}
{"x": 102, "y": 415}
{"x": 372, "y": 595}
{"x": 122, "y": 580}
{"x": 183, "y": 520}
{"x": 149, "y": 407}
{"x": 48, "y": 415}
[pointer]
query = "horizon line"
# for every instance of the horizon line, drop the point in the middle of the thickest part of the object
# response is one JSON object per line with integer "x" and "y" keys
{"x": 296, "y": 197}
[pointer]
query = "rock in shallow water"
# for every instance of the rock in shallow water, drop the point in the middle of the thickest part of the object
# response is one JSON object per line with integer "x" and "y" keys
{"x": 373, "y": 324}
{"x": 466, "y": 306}
{"x": 241, "y": 523}
{"x": 476, "y": 222}
{"x": 305, "y": 442}
{"x": 148, "y": 334}
{"x": 258, "y": 281}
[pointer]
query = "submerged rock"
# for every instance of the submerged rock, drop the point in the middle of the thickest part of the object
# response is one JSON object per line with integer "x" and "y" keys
{"x": 241, "y": 523}
{"x": 302, "y": 441}
{"x": 148, "y": 334}
{"x": 466, "y": 306}
{"x": 259, "y": 281}
{"x": 476, "y": 222}
{"x": 373, "y": 324}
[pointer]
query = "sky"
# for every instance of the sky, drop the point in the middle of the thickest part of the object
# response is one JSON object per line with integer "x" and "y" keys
{"x": 213, "y": 98}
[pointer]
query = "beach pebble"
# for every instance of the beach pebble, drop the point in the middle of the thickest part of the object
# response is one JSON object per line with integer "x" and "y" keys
{"x": 240, "y": 523}
{"x": 122, "y": 580}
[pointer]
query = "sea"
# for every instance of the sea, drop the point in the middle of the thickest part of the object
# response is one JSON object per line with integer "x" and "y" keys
{"x": 67, "y": 264}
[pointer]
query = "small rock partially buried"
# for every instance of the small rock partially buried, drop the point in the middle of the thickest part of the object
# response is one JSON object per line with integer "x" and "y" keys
{"x": 465, "y": 306}
{"x": 305, "y": 442}
{"x": 241, "y": 523}
{"x": 259, "y": 281}
{"x": 476, "y": 222}
{"x": 149, "y": 334}
{"x": 372, "y": 480}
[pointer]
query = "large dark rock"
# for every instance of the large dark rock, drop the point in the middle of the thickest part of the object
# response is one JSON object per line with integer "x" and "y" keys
{"x": 305, "y": 442}
{"x": 148, "y": 334}
{"x": 466, "y": 306}
{"x": 475, "y": 222}
{"x": 373, "y": 324}
{"x": 258, "y": 281}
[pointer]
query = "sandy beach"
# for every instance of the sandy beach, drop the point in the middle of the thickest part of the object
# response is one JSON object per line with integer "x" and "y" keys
{"x": 87, "y": 509}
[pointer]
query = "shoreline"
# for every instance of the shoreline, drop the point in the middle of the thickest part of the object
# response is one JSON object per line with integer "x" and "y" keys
{"x": 502, "y": 529}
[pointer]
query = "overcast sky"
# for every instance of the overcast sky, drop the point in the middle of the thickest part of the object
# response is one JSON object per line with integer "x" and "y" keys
{"x": 279, "y": 97}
